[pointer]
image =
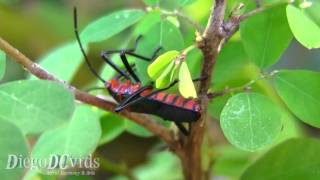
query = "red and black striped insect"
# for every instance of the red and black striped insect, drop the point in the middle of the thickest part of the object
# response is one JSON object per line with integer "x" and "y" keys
{"x": 143, "y": 99}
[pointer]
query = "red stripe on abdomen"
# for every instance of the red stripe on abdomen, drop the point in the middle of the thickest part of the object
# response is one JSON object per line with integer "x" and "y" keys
{"x": 169, "y": 98}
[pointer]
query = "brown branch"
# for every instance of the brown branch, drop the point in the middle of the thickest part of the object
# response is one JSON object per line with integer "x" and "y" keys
{"x": 210, "y": 43}
{"x": 84, "y": 97}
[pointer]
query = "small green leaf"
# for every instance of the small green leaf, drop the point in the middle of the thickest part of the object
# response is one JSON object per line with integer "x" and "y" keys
{"x": 293, "y": 159}
{"x": 151, "y": 2}
{"x": 161, "y": 63}
{"x": 306, "y": 31}
{"x": 186, "y": 86}
{"x": 2, "y": 64}
{"x": 266, "y": 36}
{"x": 299, "y": 89}
{"x": 68, "y": 56}
{"x": 35, "y": 105}
{"x": 162, "y": 34}
{"x": 13, "y": 146}
{"x": 112, "y": 126}
{"x": 165, "y": 78}
{"x": 78, "y": 139}
{"x": 175, "y": 72}
{"x": 110, "y": 25}
{"x": 250, "y": 121}
{"x": 136, "y": 129}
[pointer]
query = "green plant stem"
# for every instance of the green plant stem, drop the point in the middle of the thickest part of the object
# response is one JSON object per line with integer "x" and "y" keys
{"x": 262, "y": 9}
{"x": 244, "y": 87}
{"x": 188, "y": 49}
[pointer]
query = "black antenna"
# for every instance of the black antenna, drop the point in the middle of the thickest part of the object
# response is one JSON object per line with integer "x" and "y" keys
{"x": 75, "y": 19}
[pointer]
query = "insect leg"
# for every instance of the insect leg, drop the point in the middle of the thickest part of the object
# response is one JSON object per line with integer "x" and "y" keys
{"x": 199, "y": 79}
{"x": 134, "y": 101}
{"x": 129, "y": 99}
{"x": 182, "y": 128}
{"x": 156, "y": 52}
{"x": 106, "y": 58}
{"x": 128, "y": 67}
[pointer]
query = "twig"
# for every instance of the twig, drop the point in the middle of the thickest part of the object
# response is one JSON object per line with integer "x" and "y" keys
{"x": 233, "y": 24}
{"x": 210, "y": 43}
{"x": 84, "y": 97}
{"x": 246, "y": 86}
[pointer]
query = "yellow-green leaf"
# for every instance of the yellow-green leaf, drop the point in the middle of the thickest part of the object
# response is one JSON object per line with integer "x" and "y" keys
{"x": 186, "y": 86}
{"x": 164, "y": 80}
{"x": 174, "y": 72}
{"x": 159, "y": 65}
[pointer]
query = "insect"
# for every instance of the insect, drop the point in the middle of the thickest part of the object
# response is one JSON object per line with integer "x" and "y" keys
{"x": 143, "y": 99}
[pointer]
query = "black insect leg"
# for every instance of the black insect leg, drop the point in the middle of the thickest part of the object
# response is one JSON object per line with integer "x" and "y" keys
{"x": 182, "y": 129}
{"x": 134, "y": 101}
{"x": 133, "y": 96}
{"x": 119, "y": 76}
{"x": 129, "y": 51}
{"x": 106, "y": 58}
{"x": 128, "y": 67}
{"x": 155, "y": 53}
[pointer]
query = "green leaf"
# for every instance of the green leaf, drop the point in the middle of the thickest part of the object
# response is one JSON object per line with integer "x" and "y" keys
{"x": 13, "y": 146}
{"x": 250, "y": 121}
{"x": 303, "y": 28}
{"x": 136, "y": 129}
{"x": 293, "y": 159}
{"x": 63, "y": 62}
{"x": 149, "y": 20}
{"x": 78, "y": 139}
{"x": 110, "y": 25}
{"x": 35, "y": 105}
{"x": 2, "y": 64}
{"x": 112, "y": 126}
{"x": 186, "y": 86}
{"x": 163, "y": 34}
{"x": 266, "y": 36}
{"x": 151, "y": 2}
{"x": 165, "y": 78}
{"x": 161, "y": 63}
{"x": 299, "y": 89}
{"x": 232, "y": 58}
